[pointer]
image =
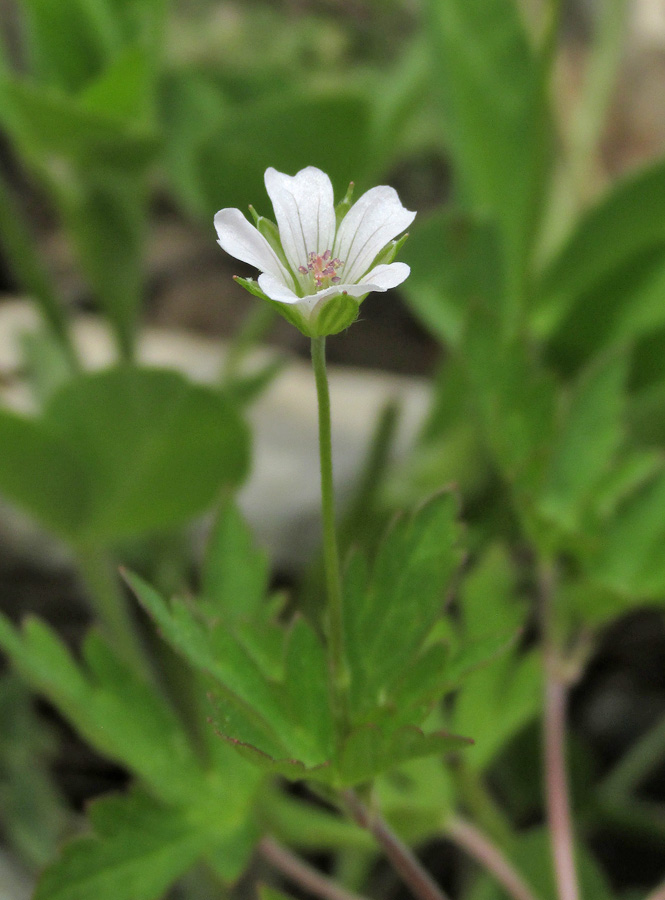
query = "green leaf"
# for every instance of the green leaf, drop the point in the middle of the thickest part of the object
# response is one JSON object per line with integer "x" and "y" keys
{"x": 121, "y": 452}
{"x": 138, "y": 849}
{"x": 513, "y": 396}
{"x": 631, "y": 559}
{"x": 235, "y": 574}
{"x": 300, "y": 824}
{"x": 587, "y": 442}
{"x": 417, "y": 798}
{"x": 33, "y": 814}
{"x": 110, "y": 706}
{"x": 248, "y": 700}
{"x": 455, "y": 263}
{"x": 49, "y": 125}
{"x": 66, "y": 47}
{"x": 271, "y": 893}
{"x": 388, "y": 618}
{"x": 231, "y": 163}
{"x": 496, "y": 117}
{"x": 500, "y": 691}
{"x": 123, "y": 91}
{"x": 624, "y": 305}
{"x": 369, "y": 750}
{"x": 106, "y": 217}
{"x": 39, "y": 473}
{"x": 608, "y": 242}
{"x": 307, "y": 690}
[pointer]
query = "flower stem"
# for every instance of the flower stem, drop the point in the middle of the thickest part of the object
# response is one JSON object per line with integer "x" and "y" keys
{"x": 554, "y": 739}
{"x": 335, "y": 618}
{"x": 402, "y": 858}
{"x": 488, "y": 855}
{"x": 305, "y": 876}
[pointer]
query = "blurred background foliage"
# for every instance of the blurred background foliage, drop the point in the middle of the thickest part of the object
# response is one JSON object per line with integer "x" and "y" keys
{"x": 536, "y": 309}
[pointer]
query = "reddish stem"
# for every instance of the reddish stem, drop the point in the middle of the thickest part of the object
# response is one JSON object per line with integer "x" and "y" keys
{"x": 488, "y": 855}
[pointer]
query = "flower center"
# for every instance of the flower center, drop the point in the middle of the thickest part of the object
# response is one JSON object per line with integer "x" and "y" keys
{"x": 323, "y": 269}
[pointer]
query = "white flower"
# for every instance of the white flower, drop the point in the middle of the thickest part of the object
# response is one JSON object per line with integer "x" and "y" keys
{"x": 319, "y": 263}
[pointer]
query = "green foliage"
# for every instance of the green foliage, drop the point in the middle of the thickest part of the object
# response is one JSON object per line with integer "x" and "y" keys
{"x": 137, "y": 850}
{"x": 493, "y": 86}
{"x": 217, "y": 149}
{"x": 499, "y": 698}
{"x": 273, "y": 703}
{"x": 455, "y": 265}
{"x": 121, "y": 452}
{"x": 32, "y": 811}
{"x": 601, "y": 287}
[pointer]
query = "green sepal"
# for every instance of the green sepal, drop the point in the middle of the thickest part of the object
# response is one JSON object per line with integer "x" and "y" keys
{"x": 345, "y": 204}
{"x": 336, "y": 314}
{"x": 270, "y": 232}
{"x": 389, "y": 252}
{"x": 292, "y": 315}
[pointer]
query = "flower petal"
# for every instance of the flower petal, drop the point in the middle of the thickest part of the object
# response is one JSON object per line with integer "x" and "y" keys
{"x": 374, "y": 220}
{"x": 277, "y": 290}
{"x": 386, "y": 276}
{"x": 243, "y": 241}
{"x": 305, "y": 212}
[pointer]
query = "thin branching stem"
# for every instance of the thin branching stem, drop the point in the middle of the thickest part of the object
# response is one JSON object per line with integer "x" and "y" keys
{"x": 658, "y": 894}
{"x": 301, "y": 873}
{"x": 554, "y": 745}
{"x": 479, "y": 847}
{"x": 401, "y": 857}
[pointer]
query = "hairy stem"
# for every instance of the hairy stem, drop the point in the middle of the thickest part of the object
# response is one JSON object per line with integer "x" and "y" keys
{"x": 335, "y": 621}
{"x": 487, "y": 854}
{"x": 403, "y": 860}
{"x": 301, "y": 873}
{"x": 554, "y": 740}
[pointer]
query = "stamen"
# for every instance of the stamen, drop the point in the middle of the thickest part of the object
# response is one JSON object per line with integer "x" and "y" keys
{"x": 322, "y": 268}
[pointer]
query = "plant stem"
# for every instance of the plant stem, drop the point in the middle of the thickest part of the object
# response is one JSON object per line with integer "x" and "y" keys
{"x": 481, "y": 848}
{"x": 335, "y": 621}
{"x": 554, "y": 738}
{"x": 658, "y": 894}
{"x": 302, "y": 874}
{"x": 481, "y": 805}
{"x": 30, "y": 273}
{"x": 111, "y": 607}
{"x": 403, "y": 860}
{"x": 637, "y": 763}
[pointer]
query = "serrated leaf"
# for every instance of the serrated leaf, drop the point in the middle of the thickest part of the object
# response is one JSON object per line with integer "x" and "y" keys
{"x": 235, "y": 574}
{"x": 369, "y": 750}
{"x": 308, "y": 692}
{"x": 138, "y": 850}
{"x": 212, "y": 649}
{"x": 118, "y": 713}
{"x": 388, "y": 620}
